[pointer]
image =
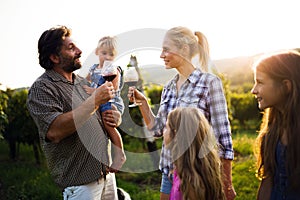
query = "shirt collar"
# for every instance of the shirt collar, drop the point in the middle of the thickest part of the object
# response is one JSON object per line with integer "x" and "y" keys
{"x": 58, "y": 77}
{"x": 193, "y": 78}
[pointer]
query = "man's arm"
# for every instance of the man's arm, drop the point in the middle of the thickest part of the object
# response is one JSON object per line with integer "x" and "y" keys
{"x": 112, "y": 117}
{"x": 64, "y": 124}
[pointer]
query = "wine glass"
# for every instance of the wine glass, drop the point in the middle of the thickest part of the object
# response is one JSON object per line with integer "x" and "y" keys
{"x": 109, "y": 71}
{"x": 131, "y": 78}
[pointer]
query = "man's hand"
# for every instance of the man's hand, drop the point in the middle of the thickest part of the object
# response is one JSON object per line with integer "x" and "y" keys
{"x": 112, "y": 117}
{"x": 88, "y": 90}
{"x": 104, "y": 93}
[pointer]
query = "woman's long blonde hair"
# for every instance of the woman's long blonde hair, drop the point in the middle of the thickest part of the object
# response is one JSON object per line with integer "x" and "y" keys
{"x": 197, "y": 43}
{"x": 194, "y": 153}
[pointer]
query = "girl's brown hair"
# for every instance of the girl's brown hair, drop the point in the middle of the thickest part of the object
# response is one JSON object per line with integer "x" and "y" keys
{"x": 281, "y": 66}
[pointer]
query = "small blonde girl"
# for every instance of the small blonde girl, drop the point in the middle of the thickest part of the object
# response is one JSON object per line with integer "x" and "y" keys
{"x": 106, "y": 51}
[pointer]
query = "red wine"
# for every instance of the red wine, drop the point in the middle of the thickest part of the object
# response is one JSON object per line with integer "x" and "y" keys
{"x": 110, "y": 77}
{"x": 131, "y": 83}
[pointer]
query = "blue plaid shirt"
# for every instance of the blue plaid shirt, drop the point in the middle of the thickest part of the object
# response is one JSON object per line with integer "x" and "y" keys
{"x": 203, "y": 91}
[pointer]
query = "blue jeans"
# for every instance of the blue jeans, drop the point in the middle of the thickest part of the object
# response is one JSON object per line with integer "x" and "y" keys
{"x": 105, "y": 107}
{"x": 166, "y": 181}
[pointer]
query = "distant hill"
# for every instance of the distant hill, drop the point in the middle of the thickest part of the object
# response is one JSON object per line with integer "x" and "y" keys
{"x": 157, "y": 74}
{"x": 237, "y": 70}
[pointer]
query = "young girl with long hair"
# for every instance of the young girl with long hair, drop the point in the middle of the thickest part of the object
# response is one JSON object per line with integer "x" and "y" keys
{"x": 277, "y": 89}
{"x": 195, "y": 155}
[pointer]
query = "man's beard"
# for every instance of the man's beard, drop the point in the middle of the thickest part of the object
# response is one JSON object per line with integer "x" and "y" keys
{"x": 69, "y": 65}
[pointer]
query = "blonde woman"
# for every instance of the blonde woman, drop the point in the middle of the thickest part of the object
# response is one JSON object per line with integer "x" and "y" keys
{"x": 191, "y": 87}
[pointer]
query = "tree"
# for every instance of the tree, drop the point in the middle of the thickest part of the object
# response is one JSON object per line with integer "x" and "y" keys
{"x": 3, "y": 116}
{"x": 227, "y": 93}
{"x": 133, "y": 119}
{"x": 21, "y": 127}
{"x": 244, "y": 107}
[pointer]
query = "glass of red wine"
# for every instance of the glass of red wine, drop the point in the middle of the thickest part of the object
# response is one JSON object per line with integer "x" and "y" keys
{"x": 109, "y": 71}
{"x": 131, "y": 78}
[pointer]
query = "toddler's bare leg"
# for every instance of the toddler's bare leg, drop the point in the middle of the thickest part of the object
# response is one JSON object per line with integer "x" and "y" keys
{"x": 119, "y": 156}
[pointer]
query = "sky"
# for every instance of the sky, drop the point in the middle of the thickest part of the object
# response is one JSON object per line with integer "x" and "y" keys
{"x": 233, "y": 27}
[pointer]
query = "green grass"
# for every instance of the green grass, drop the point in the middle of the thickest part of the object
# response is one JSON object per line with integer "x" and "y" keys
{"x": 140, "y": 185}
{"x": 244, "y": 180}
{"x": 243, "y": 143}
{"x": 23, "y": 179}
{"x": 243, "y": 166}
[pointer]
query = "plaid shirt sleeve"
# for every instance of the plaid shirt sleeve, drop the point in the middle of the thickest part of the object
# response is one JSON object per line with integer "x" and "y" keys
{"x": 219, "y": 118}
{"x": 44, "y": 106}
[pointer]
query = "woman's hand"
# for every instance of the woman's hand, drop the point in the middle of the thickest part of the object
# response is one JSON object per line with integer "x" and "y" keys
{"x": 230, "y": 192}
{"x": 134, "y": 93}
